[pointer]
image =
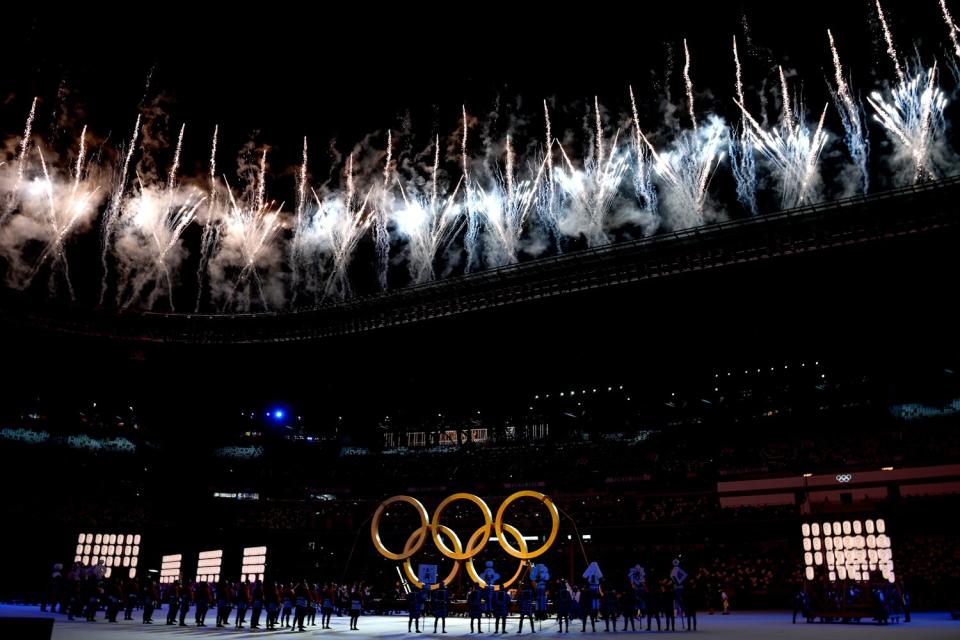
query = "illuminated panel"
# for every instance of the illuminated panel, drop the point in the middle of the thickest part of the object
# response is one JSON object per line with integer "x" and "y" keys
{"x": 170, "y": 568}
{"x": 842, "y": 551}
{"x": 254, "y": 563}
{"x": 208, "y": 565}
{"x": 117, "y": 551}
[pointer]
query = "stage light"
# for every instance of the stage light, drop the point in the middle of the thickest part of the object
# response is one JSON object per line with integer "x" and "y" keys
{"x": 99, "y": 538}
{"x": 852, "y": 556}
{"x": 815, "y": 529}
{"x": 106, "y": 574}
{"x": 809, "y": 573}
{"x": 805, "y": 528}
{"x": 254, "y": 561}
{"x": 82, "y": 538}
{"x": 208, "y": 562}
{"x": 170, "y": 568}
{"x": 881, "y": 526}
{"x": 136, "y": 540}
{"x": 133, "y": 573}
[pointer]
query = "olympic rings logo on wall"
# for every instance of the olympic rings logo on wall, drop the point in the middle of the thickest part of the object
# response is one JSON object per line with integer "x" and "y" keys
{"x": 477, "y": 541}
{"x": 844, "y": 477}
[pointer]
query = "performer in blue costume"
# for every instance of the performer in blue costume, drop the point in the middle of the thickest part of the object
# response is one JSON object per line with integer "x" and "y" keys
{"x": 490, "y": 577}
{"x": 540, "y": 575}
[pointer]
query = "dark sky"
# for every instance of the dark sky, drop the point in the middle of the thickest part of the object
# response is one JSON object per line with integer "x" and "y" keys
{"x": 278, "y": 72}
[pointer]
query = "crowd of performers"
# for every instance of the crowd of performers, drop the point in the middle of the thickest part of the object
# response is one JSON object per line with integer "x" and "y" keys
{"x": 591, "y": 601}
{"x": 84, "y": 591}
{"x": 852, "y": 601}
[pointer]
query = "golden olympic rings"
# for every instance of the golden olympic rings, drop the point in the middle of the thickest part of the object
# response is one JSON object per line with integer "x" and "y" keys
{"x": 477, "y": 542}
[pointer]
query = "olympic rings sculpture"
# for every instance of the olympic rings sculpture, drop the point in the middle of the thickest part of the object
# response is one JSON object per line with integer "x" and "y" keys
{"x": 475, "y": 544}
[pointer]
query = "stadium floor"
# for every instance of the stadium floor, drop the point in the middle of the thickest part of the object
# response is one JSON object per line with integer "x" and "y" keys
{"x": 759, "y": 625}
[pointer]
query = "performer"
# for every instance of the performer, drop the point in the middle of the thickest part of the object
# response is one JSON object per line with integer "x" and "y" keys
{"x": 608, "y": 604}
{"x": 475, "y": 607}
{"x": 593, "y": 576}
{"x": 132, "y": 594}
{"x": 201, "y": 596}
{"x": 501, "y": 609}
{"x": 691, "y": 603}
{"x": 587, "y": 610}
{"x": 150, "y": 598}
{"x": 287, "y": 606}
{"x": 54, "y": 589}
{"x": 414, "y": 608}
{"x": 677, "y": 577}
{"x": 225, "y": 596}
{"x": 272, "y": 599}
{"x": 172, "y": 597}
{"x": 668, "y": 600}
{"x": 564, "y": 602}
{"x": 651, "y": 604}
{"x": 258, "y": 599}
{"x": 628, "y": 607}
{"x": 326, "y": 606}
{"x": 527, "y": 605}
{"x": 440, "y": 600}
{"x": 184, "y": 603}
{"x": 114, "y": 599}
{"x": 242, "y": 602}
{"x": 356, "y": 607}
{"x": 490, "y": 578}
{"x": 540, "y": 575}
{"x": 312, "y": 603}
{"x": 300, "y": 595}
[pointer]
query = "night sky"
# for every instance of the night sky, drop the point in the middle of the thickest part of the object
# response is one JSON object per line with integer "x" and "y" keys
{"x": 277, "y": 74}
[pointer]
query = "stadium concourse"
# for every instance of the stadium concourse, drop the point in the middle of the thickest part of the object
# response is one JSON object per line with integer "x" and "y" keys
{"x": 743, "y": 625}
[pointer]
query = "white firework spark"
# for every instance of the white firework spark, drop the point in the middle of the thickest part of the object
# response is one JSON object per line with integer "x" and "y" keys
{"x": 852, "y": 118}
{"x": 912, "y": 114}
{"x": 891, "y": 49}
